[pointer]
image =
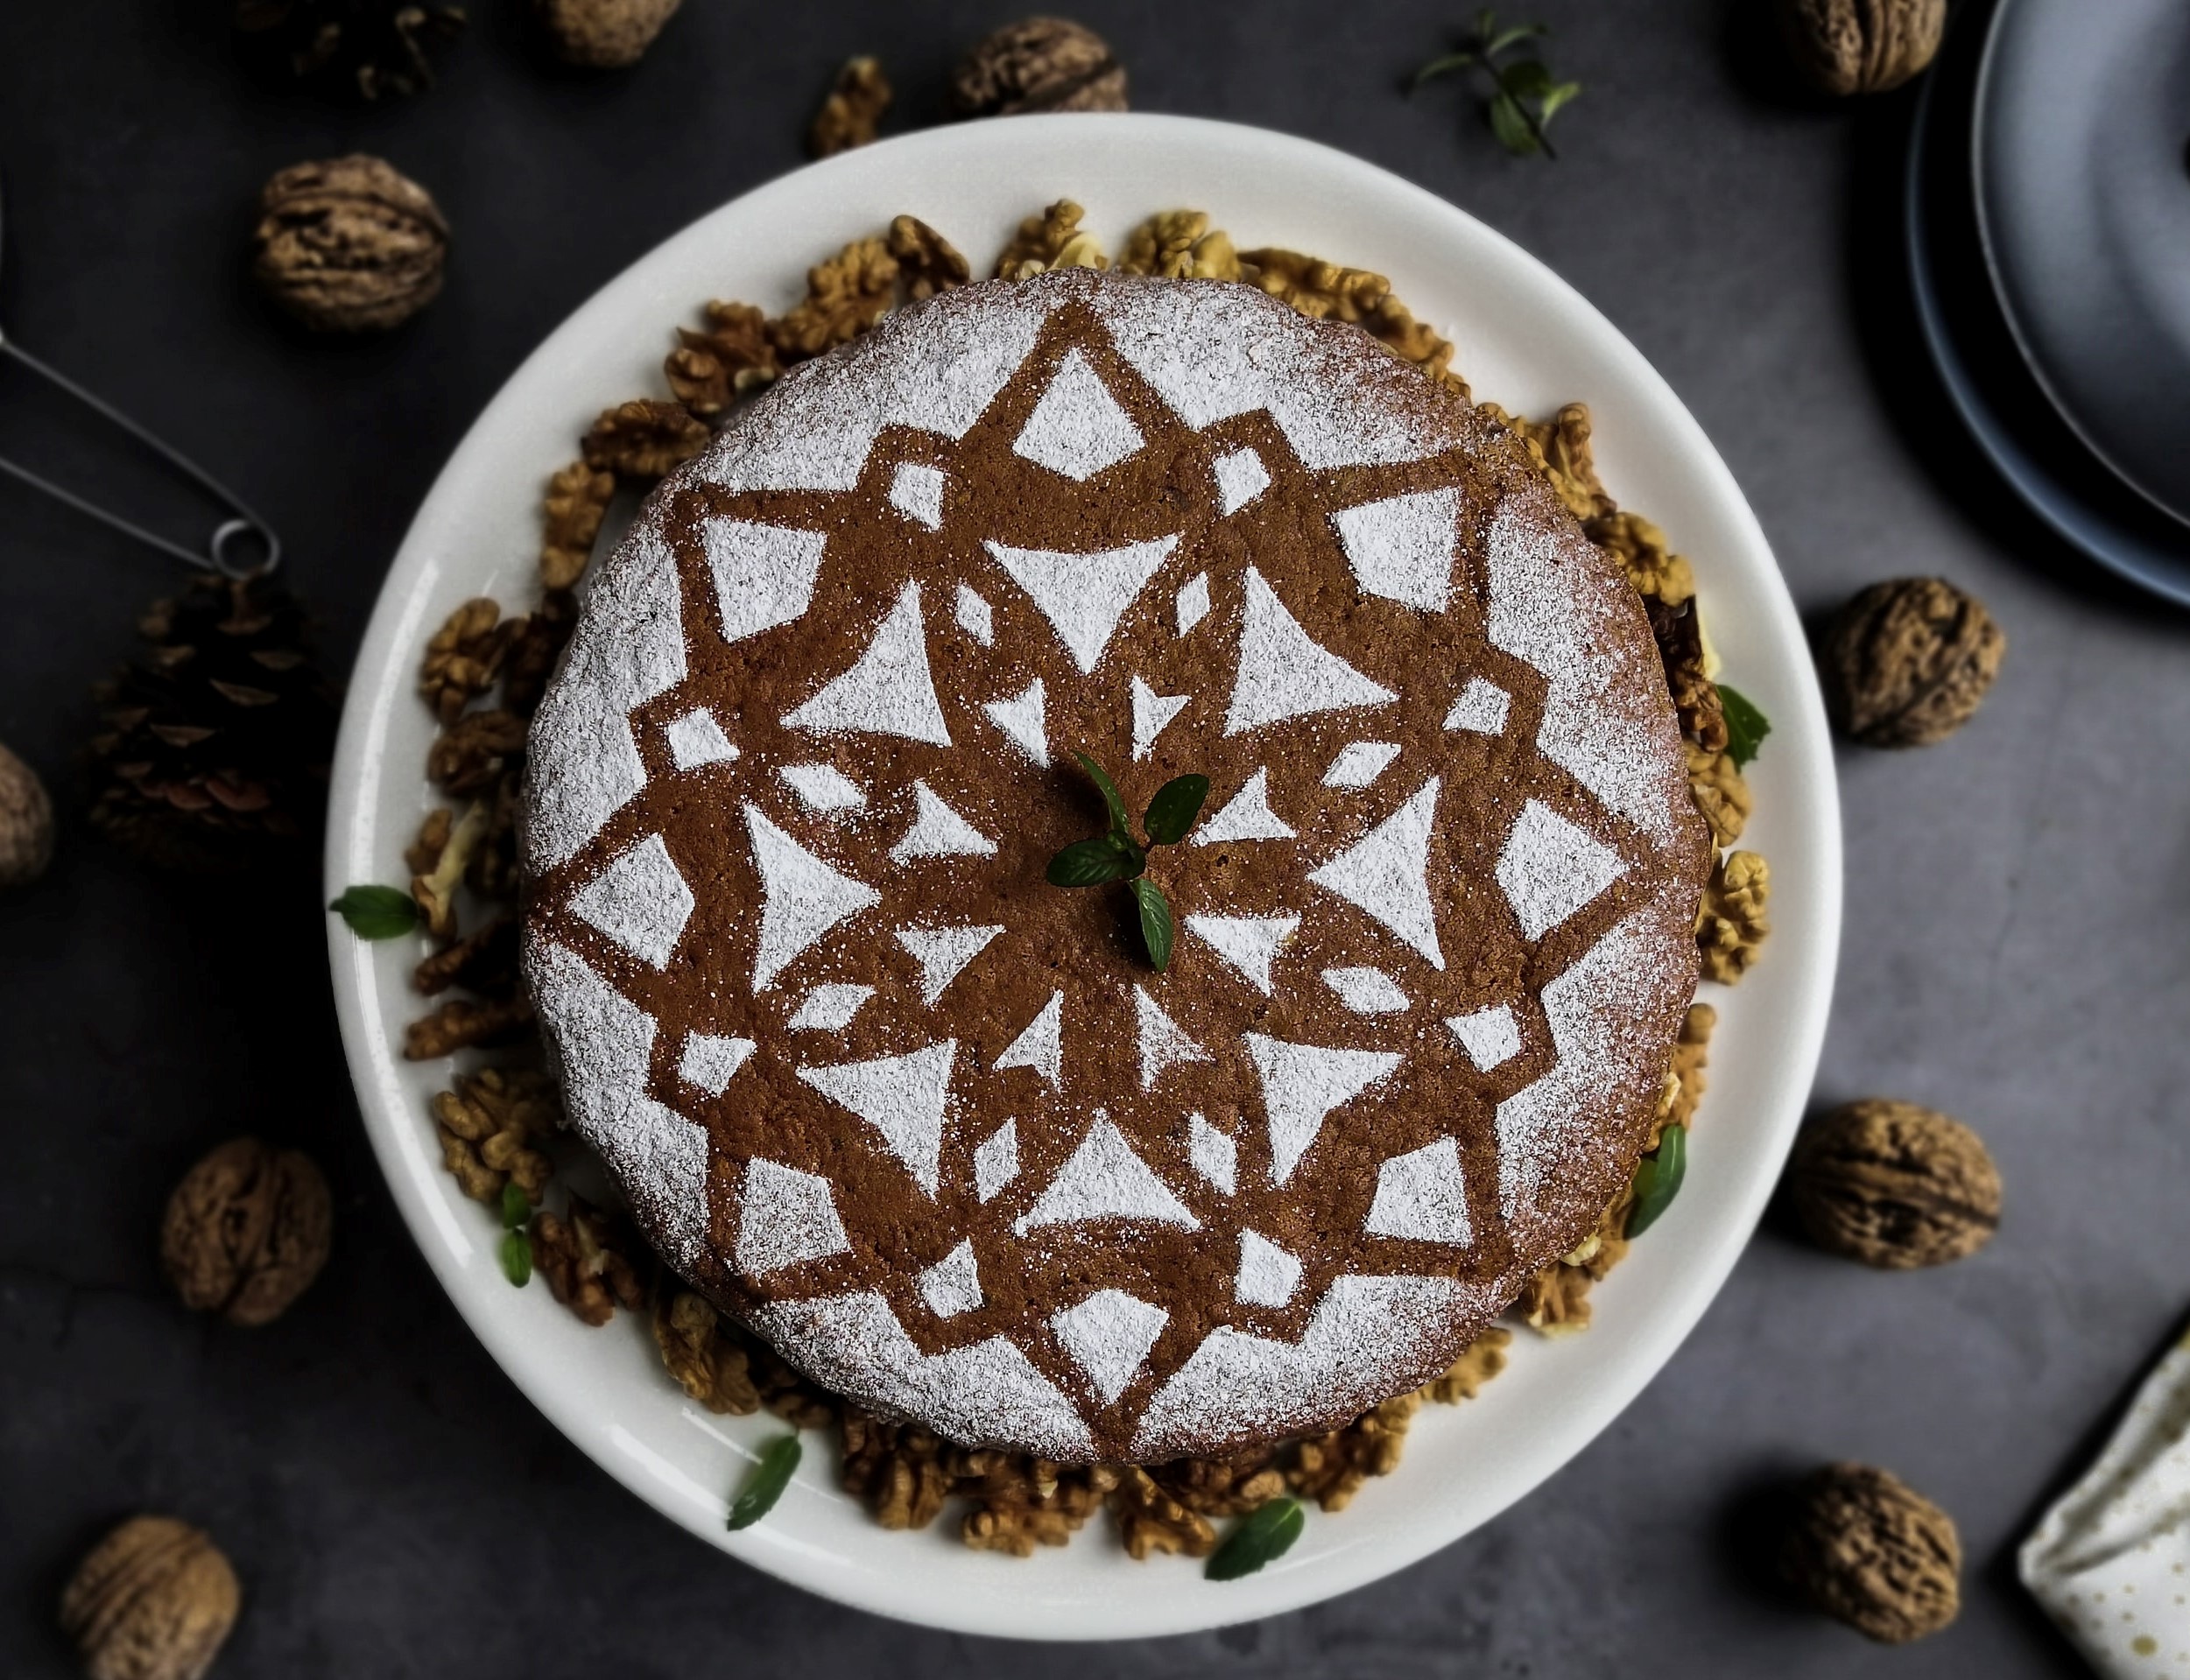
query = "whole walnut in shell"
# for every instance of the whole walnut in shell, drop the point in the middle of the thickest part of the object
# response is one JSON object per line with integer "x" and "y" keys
{"x": 26, "y": 822}
{"x": 350, "y": 245}
{"x": 1894, "y": 1185}
{"x": 1909, "y": 661}
{"x": 1041, "y": 63}
{"x": 604, "y": 34}
{"x": 1862, "y": 47}
{"x": 1868, "y": 1550}
{"x": 246, "y": 1231}
{"x": 154, "y": 1600}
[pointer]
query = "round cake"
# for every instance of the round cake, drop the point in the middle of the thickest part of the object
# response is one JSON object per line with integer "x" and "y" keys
{"x": 939, "y": 1130}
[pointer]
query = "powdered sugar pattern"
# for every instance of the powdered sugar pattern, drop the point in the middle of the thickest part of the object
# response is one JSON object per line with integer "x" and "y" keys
{"x": 887, "y": 690}
{"x": 1248, "y": 943}
{"x": 1490, "y": 1037}
{"x": 696, "y": 739}
{"x": 1359, "y": 764}
{"x": 640, "y": 901}
{"x": 785, "y": 1218}
{"x": 902, "y": 1097}
{"x": 1481, "y": 707}
{"x": 916, "y": 492}
{"x": 952, "y": 1285}
{"x": 1151, "y": 713}
{"x": 937, "y": 831}
{"x": 1386, "y": 872}
{"x": 1084, "y": 595}
{"x": 996, "y": 1160}
{"x": 829, "y": 1007}
{"x": 1268, "y": 1275}
{"x": 1422, "y": 1195}
{"x": 943, "y": 953}
{"x": 1162, "y": 1045}
{"x": 1245, "y": 816}
{"x": 1550, "y": 868}
{"x": 1241, "y": 477}
{"x": 1022, "y": 718}
{"x": 974, "y": 615}
{"x": 763, "y": 574}
{"x": 1104, "y": 1179}
{"x": 1110, "y": 1334}
{"x": 707, "y": 1061}
{"x": 1402, "y": 548}
{"x": 822, "y": 788}
{"x": 1213, "y": 1153}
{"x": 1301, "y": 1084}
{"x": 1284, "y": 672}
{"x": 1077, "y": 429}
{"x": 802, "y": 897}
{"x": 1367, "y": 991}
{"x": 1192, "y": 604}
{"x": 1042, "y": 1045}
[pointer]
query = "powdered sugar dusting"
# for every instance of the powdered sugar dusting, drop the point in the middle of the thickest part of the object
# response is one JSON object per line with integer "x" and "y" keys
{"x": 1215, "y": 1157}
{"x": 1301, "y": 1084}
{"x": 1422, "y": 1195}
{"x": 1402, "y": 547}
{"x": 1490, "y": 1037}
{"x": 1041, "y": 1046}
{"x": 1268, "y": 1275}
{"x": 902, "y": 1097}
{"x": 1596, "y": 1009}
{"x": 1245, "y": 816}
{"x": 1084, "y": 595}
{"x": 1108, "y": 1335}
{"x": 603, "y": 1043}
{"x": 1248, "y": 943}
{"x": 1161, "y": 1044}
{"x": 1386, "y": 872}
{"x": 987, "y": 1394}
{"x": 786, "y": 1217}
{"x": 1077, "y": 428}
{"x": 1367, "y": 1336}
{"x": 583, "y": 765}
{"x": 1550, "y": 868}
{"x": 1545, "y": 609}
{"x": 1284, "y": 672}
{"x": 1104, "y": 1179}
{"x": 887, "y": 690}
{"x": 640, "y": 901}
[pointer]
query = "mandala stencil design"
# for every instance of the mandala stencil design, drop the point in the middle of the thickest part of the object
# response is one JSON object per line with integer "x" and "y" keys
{"x": 933, "y": 1125}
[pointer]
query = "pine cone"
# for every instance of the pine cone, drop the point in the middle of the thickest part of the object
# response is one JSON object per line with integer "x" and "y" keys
{"x": 356, "y": 48}
{"x": 215, "y": 756}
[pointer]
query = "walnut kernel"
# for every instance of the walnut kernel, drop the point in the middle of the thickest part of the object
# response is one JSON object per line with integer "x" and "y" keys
{"x": 1330, "y": 1469}
{"x": 708, "y": 1359}
{"x": 845, "y": 296}
{"x": 1894, "y": 1185}
{"x": 1909, "y": 661}
{"x": 709, "y": 371}
{"x": 586, "y": 1259}
{"x": 1482, "y": 1358}
{"x": 462, "y": 658}
{"x": 1041, "y": 63}
{"x": 350, "y": 245}
{"x": 1731, "y": 927}
{"x": 1180, "y": 245}
{"x": 1868, "y": 1550}
{"x": 644, "y": 439}
{"x": 1052, "y": 240}
{"x": 246, "y": 1230}
{"x": 897, "y": 1470}
{"x": 577, "y": 501}
{"x": 851, "y": 116}
{"x": 927, "y": 263}
{"x": 154, "y": 1600}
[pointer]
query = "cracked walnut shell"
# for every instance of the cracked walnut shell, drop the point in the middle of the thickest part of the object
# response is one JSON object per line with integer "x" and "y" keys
{"x": 1039, "y": 63}
{"x": 1866, "y": 1549}
{"x": 1862, "y": 47}
{"x": 26, "y": 822}
{"x": 1894, "y": 1185}
{"x": 154, "y": 1600}
{"x": 246, "y": 1230}
{"x": 350, "y": 245}
{"x": 604, "y": 34}
{"x": 1909, "y": 661}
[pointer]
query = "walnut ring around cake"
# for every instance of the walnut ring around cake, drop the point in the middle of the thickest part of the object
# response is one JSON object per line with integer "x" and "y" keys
{"x": 936, "y": 1129}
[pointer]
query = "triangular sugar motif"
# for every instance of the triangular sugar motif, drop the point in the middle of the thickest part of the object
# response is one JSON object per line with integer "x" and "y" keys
{"x": 1025, "y": 723}
{"x": 1285, "y": 673}
{"x": 1248, "y": 943}
{"x": 943, "y": 953}
{"x": 1084, "y": 595}
{"x": 1386, "y": 872}
{"x": 786, "y": 1217}
{"x": 902, "y": 1097}
{"x": 1402, "y": 547}
{"x": 802, "y": 897}
{"x": 887, "y": 690}
{"x": 1421, "y": 1195}
{"x": 952, "y": 1285}
{"x": 1162, "y": 1045}
{"x": 1108, "y": 1334}
{"x": 1301, "y": 1084}
{"x": 1245, "y": 816}
{"x": 1151, "y": 712}
{"x": 937, "y": 831}
{"x": 1104, "y": 1179}
{"x": 1077, "y": 428}
{"x": 640, "y": 901}
{"x": 1041, "y": 1046}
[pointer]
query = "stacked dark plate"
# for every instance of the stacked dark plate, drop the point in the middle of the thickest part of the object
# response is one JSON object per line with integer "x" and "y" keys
{"x": 2049, "y": 239}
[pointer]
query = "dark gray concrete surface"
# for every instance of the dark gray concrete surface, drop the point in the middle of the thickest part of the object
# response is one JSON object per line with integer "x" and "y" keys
{"x": 2017, "y": 943}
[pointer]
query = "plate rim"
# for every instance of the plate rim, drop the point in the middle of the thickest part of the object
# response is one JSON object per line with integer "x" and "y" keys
{"x": 1636, "y": 1352}
{"x": 1985, "y": 125}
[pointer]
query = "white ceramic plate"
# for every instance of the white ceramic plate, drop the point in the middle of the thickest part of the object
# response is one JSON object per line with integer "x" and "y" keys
{"x": 1526, "y": 340}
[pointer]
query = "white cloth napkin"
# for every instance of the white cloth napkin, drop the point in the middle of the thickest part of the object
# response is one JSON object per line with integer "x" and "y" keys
{"x": 2111, "y": 1560}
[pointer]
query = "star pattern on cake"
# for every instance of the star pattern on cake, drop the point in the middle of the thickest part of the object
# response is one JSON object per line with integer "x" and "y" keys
{"x": 854, "y": 818}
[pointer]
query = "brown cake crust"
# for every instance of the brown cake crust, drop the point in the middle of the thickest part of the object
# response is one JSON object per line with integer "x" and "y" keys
{"x": 1540, "y": 1140}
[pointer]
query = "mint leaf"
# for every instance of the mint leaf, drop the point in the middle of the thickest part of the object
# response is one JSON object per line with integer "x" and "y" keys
{"x": 1265, "y": 1535}
{"x": 765, "y": 1481}
{"x": 1090, "y": 862}
{"x": 1658, "y": 1180}
{"x": 1746, "y": 726}
{"x": 378, "y": 912}
{"x": 1120, "y": 823}
{"x": 1173, "y": 809}
{"x": 517, "y": 1257}
{"x": 1158, "y": 931}
{"x": 517, "y": 1206}
{"x": 1510, "y": 122}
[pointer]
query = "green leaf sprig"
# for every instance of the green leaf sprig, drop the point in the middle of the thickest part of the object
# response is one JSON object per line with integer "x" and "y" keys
{"x": 517, "y": 1242}
{"x": 378, "y": 912}
{"x": 1746, "y": 726}
{"x": 1657, "y": 1178}
{"x": 1523, "y": 97}
{"x": 1265, "y": 1535}
{"x": 765, "y": 1481}
{"x": 1116, "y": 856}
